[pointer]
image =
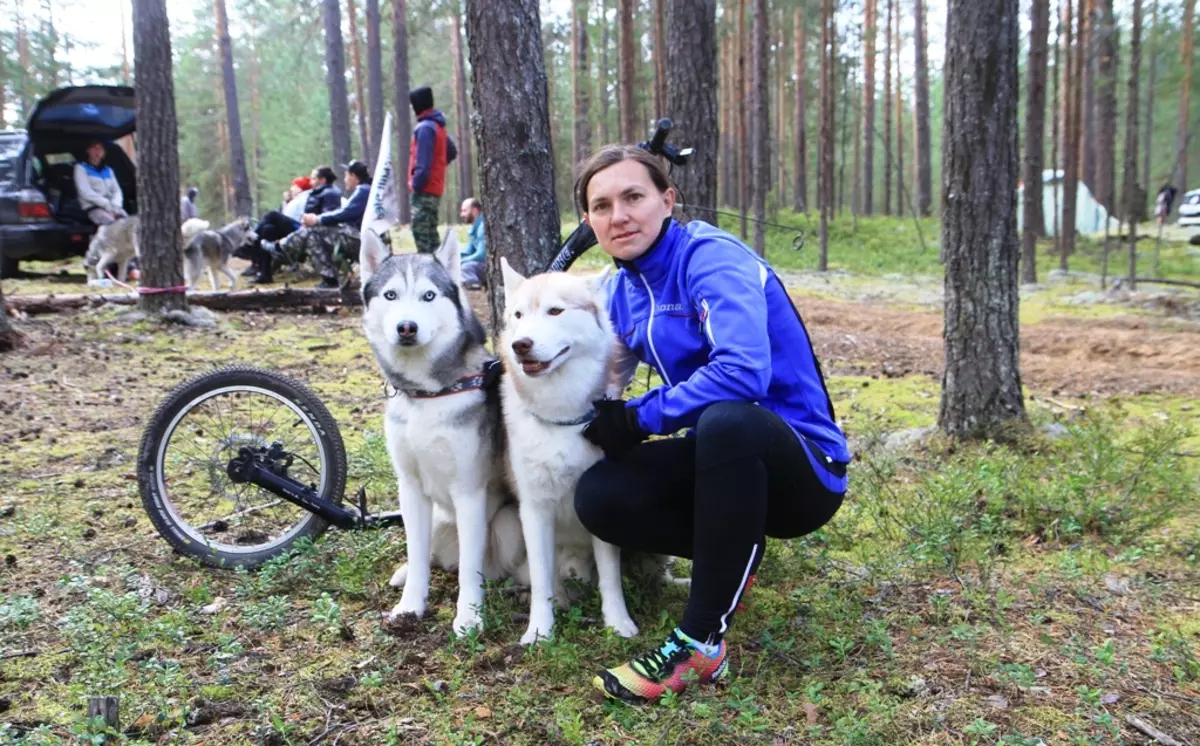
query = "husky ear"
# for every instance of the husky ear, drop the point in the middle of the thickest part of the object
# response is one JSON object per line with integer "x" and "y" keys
{"x": 599, "y": 285}
{"x": 371, "y": 254}
{"x": 447, "y": 256}
{"x": 512, "y": 278}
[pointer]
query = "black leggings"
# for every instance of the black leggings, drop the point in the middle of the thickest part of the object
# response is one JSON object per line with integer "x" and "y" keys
{"x": 712, "y": 498}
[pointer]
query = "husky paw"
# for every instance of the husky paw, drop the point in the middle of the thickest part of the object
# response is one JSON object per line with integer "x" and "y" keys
{"x": 408, "y": 606}
{"x": 464, "y": 623}
{"x": 399, "y": 577}
{"x": 623, "y": 626}
{"x": 537, "y": 632}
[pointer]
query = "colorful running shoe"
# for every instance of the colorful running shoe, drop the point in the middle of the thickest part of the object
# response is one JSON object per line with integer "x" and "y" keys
{"x": 671, "y": 666}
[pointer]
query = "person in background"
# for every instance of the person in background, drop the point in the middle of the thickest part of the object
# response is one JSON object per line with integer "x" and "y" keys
{"x": 320, "y": 234}
{"x": 99, "y": 193}
{"x": 473, "y": 257}
{"x": 1164, "y": 202}
{"x": 187, "y": 205}
{"x": 430, "y": 151}
{"x": 321, "y": 196}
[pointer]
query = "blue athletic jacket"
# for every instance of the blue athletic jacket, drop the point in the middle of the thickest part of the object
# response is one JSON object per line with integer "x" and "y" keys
{"x": 353, "y": 211}
{"x": 716, "y": 323}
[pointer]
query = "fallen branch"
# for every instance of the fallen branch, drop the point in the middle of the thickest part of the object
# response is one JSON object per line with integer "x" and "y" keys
{"x": 243, "y": 300}
{"x": 1151, "y": 731}
{"x": 20, "y": 654}
{"x": 1158, "y": 281}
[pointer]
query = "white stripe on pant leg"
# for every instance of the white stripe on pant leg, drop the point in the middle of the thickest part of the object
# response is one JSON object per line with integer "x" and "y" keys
{"x": 736, "y": 596}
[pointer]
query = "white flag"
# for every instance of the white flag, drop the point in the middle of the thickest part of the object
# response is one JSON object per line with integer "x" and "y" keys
{"x": 383, "y": 207}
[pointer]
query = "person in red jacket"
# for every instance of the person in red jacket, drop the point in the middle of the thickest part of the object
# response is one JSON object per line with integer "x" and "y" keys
{"x": 429, "y": 154}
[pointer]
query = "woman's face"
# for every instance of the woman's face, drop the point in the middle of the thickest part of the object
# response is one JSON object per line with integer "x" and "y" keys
{"x": 95, "y": 153}
{"x": 351, "y": 181}
{"x": 626, "y": 210}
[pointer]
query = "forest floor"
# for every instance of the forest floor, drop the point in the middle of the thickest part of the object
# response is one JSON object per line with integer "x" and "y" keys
{"x": 1040, "y": 591}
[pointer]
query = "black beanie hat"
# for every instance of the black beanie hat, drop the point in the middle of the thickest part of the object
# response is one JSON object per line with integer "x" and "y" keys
{"x": 421, "y": 99}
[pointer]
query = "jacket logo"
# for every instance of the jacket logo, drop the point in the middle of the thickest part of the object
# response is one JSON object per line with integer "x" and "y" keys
{"x": 668, "y": 307}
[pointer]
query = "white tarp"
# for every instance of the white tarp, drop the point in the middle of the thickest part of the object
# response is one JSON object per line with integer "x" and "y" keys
{"x": 1089, "y": 214}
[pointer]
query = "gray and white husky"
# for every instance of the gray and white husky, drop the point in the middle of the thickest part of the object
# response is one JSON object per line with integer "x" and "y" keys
{"x": 115, "y": 242}
{"x": 212, "y": 250}
{"x": 443, "y": 428}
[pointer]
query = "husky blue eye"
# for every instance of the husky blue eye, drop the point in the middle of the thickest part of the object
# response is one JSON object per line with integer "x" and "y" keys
{"x": 428, "y": 296}
{"x": 390, "y": 295}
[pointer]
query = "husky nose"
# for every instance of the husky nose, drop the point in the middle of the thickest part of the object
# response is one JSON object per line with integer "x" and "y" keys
{"x": 522, "y": 346}
{"x": 407, "y": 329}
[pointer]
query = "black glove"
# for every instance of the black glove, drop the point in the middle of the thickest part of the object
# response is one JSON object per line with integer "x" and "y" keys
{"x": 615, "y": 428}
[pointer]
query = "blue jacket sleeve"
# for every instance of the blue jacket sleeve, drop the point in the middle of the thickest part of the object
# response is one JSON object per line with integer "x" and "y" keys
{"x": 726, "y": 286}
{"x": 426, "y": 137}
{"x": 352, "y": 212}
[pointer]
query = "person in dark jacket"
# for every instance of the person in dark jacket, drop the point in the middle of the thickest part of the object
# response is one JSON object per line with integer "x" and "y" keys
{"x": 275, "y": 225}
{"x": 320, "y": 233}
{"x": 430, "y": 151}
{"x": 763, "y": 453}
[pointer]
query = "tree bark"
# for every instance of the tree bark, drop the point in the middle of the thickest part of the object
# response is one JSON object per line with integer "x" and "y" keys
{"x": 1150, "y": 91}
{"x": 1131, "y": 192}
{"x": 466, "y": 182}
{"x": 742, "y": 143}
{"x": 661, "y": 55}
{"x": 1087, "y": 133}
{"x": 1035, "y": 126}
{"x": 922, "y": 155}
{"x": 581, "y": 141}
{"x": 1056, "y": 186}
{"x": 335, "y": 81}
{"x": 981, "y": 385}
{"x": 781, "y": 108}
{"x": 161, "y": 250}
{"x": 403, "y": 109}
{"x": 800, "y": 130}
{"x": 510, "y": 97}
{"x": 360, "y": 100}
{"x": 759, "y": 180}
{"x": 1104, "y": 32}
{"x": 374, "y": 80}
{"x": 691, "y": 43}
{"x": 1186, "y": 46}
{"x": 899, "y": 174}
{"x": 868, "y": 119}
{"x": 825, "y": 175}
{"x": 237, "y": 150}
{"x": 887, "y": 112}
{"x": 845, "y": 120}
{"x": 1070, "y": 141}
{"x": 603, "y": 77}
{"x": 625, "y": 72}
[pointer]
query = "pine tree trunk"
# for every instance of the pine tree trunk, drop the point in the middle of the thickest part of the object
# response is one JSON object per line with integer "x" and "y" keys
{"x": 742, "y": 143}
{"x": 1131, "y": 192}
{"x": 237, "y": 149}
{"x": 691, "y": 88}
{"x": 887, "y": 111}
{"x": 1056, "y": 184}
{"x": 256, "y": 148}
{"x": 661, "y": 108}
{"x": 509, "y": 93}
{"x": 842, "y": 138}
{"x": 360, "y": 100}
{"x": 374, "y": 80}
{"x": 1087, "y": 142}
{"x": 800, "y": 133}
{"x": 625, "y": 72}
{"x": 1070, "y": 140}
{"x": 825, "y": 173}
{"x": 1186, "y": 55}
{"x": 981, "y": 386}
{"x": 1035, "y": 127}
{"x": 403, "y": 109}
{"x": 161, "y": 249}
{"x": 899, "y": 103}
{"x": 759, "y": 179}
{"x": 466, "y": 182}
{"x": 581, "y": 84}
{"x": 335, "y": 81}
{"x": 1105, "y": 34}
{"x": 868, "y": 119}
{"x": 921, "y": 121}
{"x": 603, "y": 77}
{"x": 1150, "y": 91}
{"x": 780, "y": 119}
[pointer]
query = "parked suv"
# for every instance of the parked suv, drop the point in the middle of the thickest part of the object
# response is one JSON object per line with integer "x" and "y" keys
{"x": 1189, "y": 208}
{"x": 40, "y": 215}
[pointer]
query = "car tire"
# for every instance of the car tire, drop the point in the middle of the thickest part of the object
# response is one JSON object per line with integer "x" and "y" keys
{"x": 9, "y": 268}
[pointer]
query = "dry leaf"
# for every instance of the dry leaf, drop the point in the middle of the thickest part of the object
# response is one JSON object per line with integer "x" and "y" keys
{"x": 810, "y": 713}
{"x": 482, "y": 712}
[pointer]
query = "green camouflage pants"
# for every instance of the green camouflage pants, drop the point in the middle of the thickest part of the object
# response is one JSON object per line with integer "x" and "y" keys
{"x": 326, "y": 246}
{"x": 425, "y": 222}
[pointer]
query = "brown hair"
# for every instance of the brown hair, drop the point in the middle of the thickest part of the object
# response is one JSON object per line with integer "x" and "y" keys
{"x": 611, "y": 155}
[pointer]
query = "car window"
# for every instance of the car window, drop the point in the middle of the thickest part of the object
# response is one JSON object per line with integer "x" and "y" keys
{"x": 10, "y": 151}
{"x": 56, "y": 158}
{"x": 1193, "y": 199}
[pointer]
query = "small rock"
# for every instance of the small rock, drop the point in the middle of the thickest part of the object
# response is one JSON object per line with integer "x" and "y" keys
{"x": 997, "y": 701}
{"x": 1055, "y": 431}
{"x": 1116, "y": 586}
{"x": 1110, "y": 698}
{"x": 437, "y": 686}
{"x": 216, "y": 606}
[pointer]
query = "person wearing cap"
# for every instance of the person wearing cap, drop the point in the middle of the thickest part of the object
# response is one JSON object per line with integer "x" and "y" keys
{"x": 187, "y": 205}
{"x": 320, "y": 234}
{"x": 430, "y": 151}
{"x": 296, "y": 196}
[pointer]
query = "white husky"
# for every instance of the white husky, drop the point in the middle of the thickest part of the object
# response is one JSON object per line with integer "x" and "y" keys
{"x": 557, "y": 346}
{"x": 115, "y": 242}
{"x": 442, "y": 427}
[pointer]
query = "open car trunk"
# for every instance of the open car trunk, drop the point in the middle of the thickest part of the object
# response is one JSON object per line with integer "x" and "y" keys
{"x": 60, "y": 128}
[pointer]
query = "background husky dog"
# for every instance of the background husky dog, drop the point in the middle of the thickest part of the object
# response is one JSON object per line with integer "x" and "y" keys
{"x": 115, "y": 242}
{"x": 212, "y": 250}
{"x": 446, "y": 445}
{"x": 556, "y": 346}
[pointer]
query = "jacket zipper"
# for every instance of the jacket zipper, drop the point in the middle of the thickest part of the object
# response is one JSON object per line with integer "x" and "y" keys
{"x": 662, "y": 371}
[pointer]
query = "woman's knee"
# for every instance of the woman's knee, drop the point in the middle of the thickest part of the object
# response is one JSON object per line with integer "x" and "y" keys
{"x": 594, "y": 502}
{"x": 732, "y": 428}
